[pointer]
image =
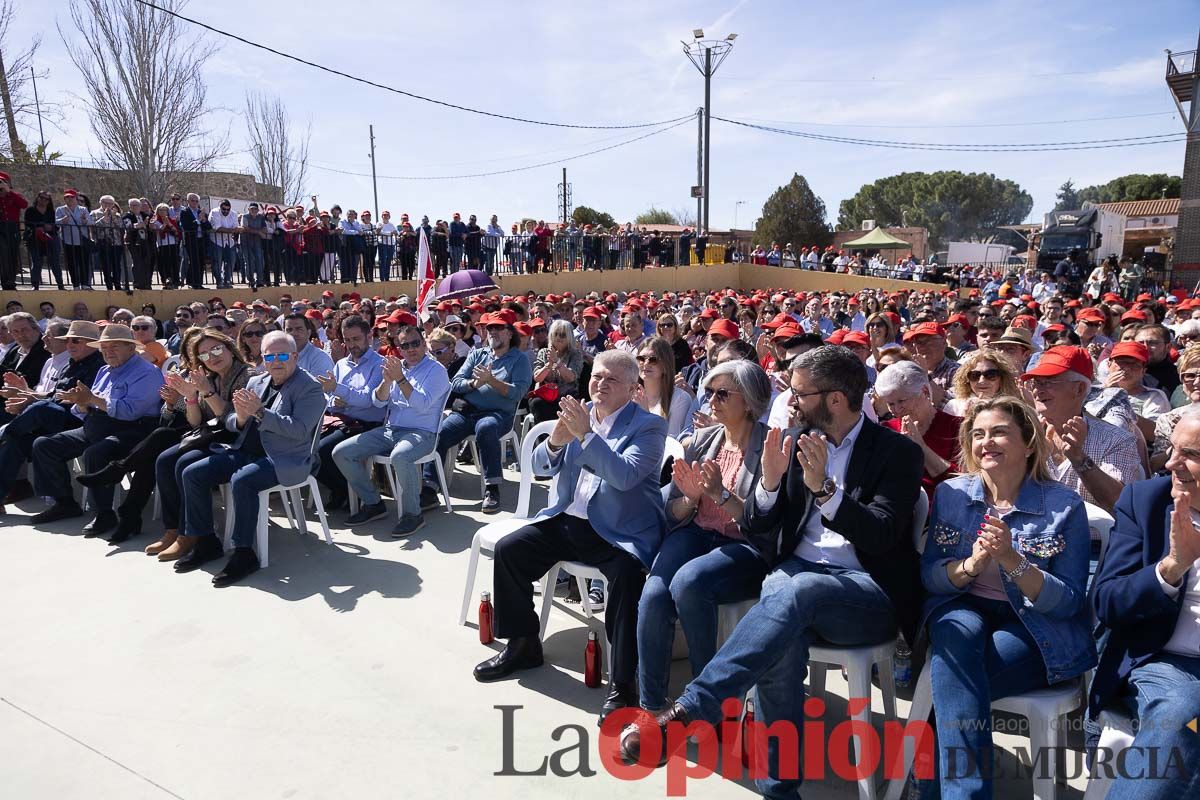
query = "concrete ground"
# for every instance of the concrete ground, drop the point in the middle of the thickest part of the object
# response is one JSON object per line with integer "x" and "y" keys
{"x": 336, "y": 672}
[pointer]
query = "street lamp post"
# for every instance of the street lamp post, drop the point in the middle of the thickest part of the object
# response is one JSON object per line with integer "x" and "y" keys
{"x": 706, "y": 56}
{"x": 735, "y": 212}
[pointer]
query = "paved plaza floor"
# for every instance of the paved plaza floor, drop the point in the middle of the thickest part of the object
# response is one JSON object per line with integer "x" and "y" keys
{"x": 336, "y": 672}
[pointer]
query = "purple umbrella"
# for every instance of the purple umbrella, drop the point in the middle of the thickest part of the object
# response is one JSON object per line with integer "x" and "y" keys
{"x": 465, "y": 283}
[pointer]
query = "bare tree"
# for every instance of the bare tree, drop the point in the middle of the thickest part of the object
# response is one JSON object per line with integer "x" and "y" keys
{"x": 280, "y": 157}
{"x": 146, "y": 93}
{"x": 685, "y": 216}
{"x": 16, "y": 99}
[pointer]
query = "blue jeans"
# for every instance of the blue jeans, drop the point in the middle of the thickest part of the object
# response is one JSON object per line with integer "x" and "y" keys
{"x": 456, "y": 257}
{"x": 801, "y": 602}
{"x": 253, "y": 256}
{"x": 695, "y": 571}
{"x": 246, "y": 475}
{"x": 405, "y": 445}
{"x": 487, "y": 427}
{"x": 980, "y": 651}
{"x": 386, "y": 253}
{"x": 168, "y": 468}
{"x": 223, "y": 265}
{"x": 1165, "y": 694}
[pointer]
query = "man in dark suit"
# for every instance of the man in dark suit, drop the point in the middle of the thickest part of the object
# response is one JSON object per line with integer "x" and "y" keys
{"x": 608, "y": 512}
{"x": 29, "y": 355}
{"x": 193, "y": 242}
{"x": 1147, "y": 597}
{"x": 834, "y": 522}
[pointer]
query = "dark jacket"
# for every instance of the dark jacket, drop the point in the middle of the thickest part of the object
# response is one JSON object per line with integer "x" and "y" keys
{"x": 29, "y": 367}
{"x": 883, "y": 480}
{"x": 1136, "y": 617}
{"x": 80, "y": 372}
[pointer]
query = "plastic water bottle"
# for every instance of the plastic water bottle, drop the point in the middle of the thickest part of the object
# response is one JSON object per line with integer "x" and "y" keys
{"x": 902, "y": 664}
{"x": 485, "y": 618}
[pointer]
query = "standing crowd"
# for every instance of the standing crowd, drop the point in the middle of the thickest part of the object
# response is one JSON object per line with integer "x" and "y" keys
{"x": 813, "y": 427}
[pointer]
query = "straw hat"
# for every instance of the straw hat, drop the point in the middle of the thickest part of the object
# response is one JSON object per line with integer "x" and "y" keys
{"x": 81, "y": 329}
{"x": 115, "y": 332}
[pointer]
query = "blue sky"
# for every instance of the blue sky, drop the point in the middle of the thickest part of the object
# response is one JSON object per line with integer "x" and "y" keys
{"x": 867, "y": 70}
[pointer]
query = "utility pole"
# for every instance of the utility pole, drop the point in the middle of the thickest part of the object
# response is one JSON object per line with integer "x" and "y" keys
{"x": 564, "y": 197}
{"x": 41, "y": 132}
{"x": 699, "y": 164}
{"x": 707, "y": 55}
{"x": 1183, "y": 79}
{"x": 374, "y": 185}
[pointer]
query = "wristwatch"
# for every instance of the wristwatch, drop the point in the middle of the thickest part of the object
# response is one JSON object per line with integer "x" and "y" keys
{"x": 827, "y": 489}
{"x": 725, "y": 495}
{"x": 207, "y": 395}
{"x": 1086, "y": 465}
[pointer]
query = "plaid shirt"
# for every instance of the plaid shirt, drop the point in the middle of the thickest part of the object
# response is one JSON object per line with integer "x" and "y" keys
{"x": 1164, "y": 426}
{"x": 943, "y": 376}
{"x": 1115, "y": 452}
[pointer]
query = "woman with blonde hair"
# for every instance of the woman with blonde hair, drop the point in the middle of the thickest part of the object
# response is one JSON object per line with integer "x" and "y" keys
{"x": 656, "y": 390}
{"x": 556, "y": 369}
{"x": 982, "y": 374}
{"x": 881, "y": 330}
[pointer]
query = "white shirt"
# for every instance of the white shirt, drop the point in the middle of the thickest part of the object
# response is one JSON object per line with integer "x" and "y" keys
{"x": 220, "y": 220}
{"x": 53, "y": 368}
{"x": 1186, "y": 639}
{"x": 589, "y": 481}
{"x": 819, "y": 544}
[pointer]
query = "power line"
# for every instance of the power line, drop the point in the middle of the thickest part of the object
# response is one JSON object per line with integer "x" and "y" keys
{"x": 1026, "y": 147}
{"x": 503, "y": 171}
{"x": 936, "y": 78}
{"x": 959, "y": 124}
{"x": 401, "y": 92}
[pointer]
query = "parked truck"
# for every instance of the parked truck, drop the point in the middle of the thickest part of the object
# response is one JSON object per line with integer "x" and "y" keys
{"x": 978, "y": 253}
{"x": 1094, "y": 232}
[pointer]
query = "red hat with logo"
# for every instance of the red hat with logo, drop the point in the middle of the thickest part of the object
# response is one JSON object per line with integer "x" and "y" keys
{"x": 856, "y": 337}
{"x": 1064, "y": 358}
{"x": 789, "y": 331}
{"x": 923, "y": 329}
{"x": 724, "y": 327}
{"x": 779, "y": 320}
{"x": 1131, "y": 350}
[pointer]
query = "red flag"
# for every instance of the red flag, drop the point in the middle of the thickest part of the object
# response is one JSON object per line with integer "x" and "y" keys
{"x": 425, "y": 280}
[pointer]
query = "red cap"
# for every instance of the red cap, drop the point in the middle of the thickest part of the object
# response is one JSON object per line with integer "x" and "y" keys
{"x": 4, "y": 177}
{"x": 1144, "y": 297}
{"x": 1131, "y": 350}
{"x": 355, "y": 296}
{"x": 837, "y": 337}
{"x": 856, "y": 337}
{"x": 789, "y": 331}
{"x": 508, "y": 315}
{"x": 238, "y": 304}
{"x": 1111, "y": 297}
{"x": 70, "y": 193}
{"x": 537, "y": 322}
{"x": 958, "y": 319}
{"x": 780, "y": 319}
{"x": 592, "y": 311}
{"x": 634, "y": 304}
{"x": 1056, "y": 328}
{"x": 523, "y": 328}
{"x": 326, "y": 293}
{"x": 476, "y": 307}
{"x": 1091, "y": 315}
{"x": 1133, "y": 316}
{"x": 710, "y": 313}
{"x": 399, "y": 317}
{"x": 726, "y": 328}
{"x": 1024, "y": 321}
{"x": 923, "y": 329}
{"x": 212, "y": 300}
{"x": 894, "y": 317}
{"x": 1064, "y": 358}
{"x": 314, "y": 315}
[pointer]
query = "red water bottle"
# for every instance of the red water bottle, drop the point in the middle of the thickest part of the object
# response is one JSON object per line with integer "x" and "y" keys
{"x": 485, "y": 619}
{"x": 591, "y": 662}
{"x": 747, "y": 735}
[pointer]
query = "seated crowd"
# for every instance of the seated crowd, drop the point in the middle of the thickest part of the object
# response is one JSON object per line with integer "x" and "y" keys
{"x": 812, "y": 428}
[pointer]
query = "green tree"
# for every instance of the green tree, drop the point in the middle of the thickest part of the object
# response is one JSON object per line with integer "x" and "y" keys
{"x": 951, "y": 205}
{"x": 1136, "y": 186}
{"x": 793, "y": 213}
{"x": 590, "y": 216}
{"x": 656, "y": 216}
{"x": 1067, "y": 197}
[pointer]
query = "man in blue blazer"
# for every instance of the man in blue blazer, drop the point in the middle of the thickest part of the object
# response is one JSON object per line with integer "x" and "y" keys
{"x": 608, "y": 513}
{"x": 275, "y": 418}
{"x": 1147, "y": 598}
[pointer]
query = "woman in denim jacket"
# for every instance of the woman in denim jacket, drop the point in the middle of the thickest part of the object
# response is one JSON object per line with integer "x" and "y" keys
{"x": 1005, "y": 565}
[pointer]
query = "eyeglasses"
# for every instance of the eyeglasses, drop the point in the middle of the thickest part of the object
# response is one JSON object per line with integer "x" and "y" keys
{"x": 213, "y": 351}
{"x": 253, "y": 334}
{"x": 143, "y": 327}
{"x": 411, "y": 344}
{"x": 647, "y": 359}
{"x": 983, "y": 374}
{"x": 722, "y": 395}
{"x": 269, "y": 357}
{"x": 666, "y": 324}
{"x": 73, "y": 340}
{"x": 1190, "y": 377}
{"x": 801, "y": 395}
{"x": 1042, "y": 383}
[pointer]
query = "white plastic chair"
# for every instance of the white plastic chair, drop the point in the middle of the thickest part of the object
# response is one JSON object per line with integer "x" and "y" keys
{"x": 511, "y": 438}
{"x": 489, "y": 535}
{"x": 172, "y": 361}
{"x": 1116, "y": 734}
{"x": 857, "y": 661}
{"x": 293, "y": 507}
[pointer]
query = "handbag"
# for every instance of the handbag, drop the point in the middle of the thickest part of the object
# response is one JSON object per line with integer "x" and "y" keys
{"x": 208, "y": 433}
{"x": 547, "y": 391}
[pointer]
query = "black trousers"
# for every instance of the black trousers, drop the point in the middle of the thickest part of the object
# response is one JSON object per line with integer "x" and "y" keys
{"x": 523, "y": 557}
{"x": 139, "y": 462}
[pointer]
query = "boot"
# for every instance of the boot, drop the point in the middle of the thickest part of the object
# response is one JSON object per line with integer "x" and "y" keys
{"x": 168, "y": 538}
{"x": 108, "y": 475}
{"x": 179, "y": 548}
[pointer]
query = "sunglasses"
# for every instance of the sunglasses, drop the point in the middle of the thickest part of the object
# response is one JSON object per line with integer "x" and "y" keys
{"x": 722, "y": 395}
{"x": 77, "y": 341}
{"x": 270, "y": 357}
{"x": 647, "y": 359}
{"x": 876, "y": 325}
{"x": 143, "y": 327}
{"x": 666, "y": 324}
{"x": 983, "y": 374}
{"x": 439, "y": 351}
{"x": 253, "y": 334}
{"x": 215, "y": 351}
{"x": 412, "y": 344}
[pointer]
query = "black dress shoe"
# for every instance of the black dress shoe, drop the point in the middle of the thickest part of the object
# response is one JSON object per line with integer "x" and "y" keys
{"x": 108, "y": 475}
{"x": 243, "y": 562}
{"x": 631, "y": 737}
{"x": 207, "y": 549}
{"x": 21, "y": 490}
{"x": 127, "y": 528}
{"x": 522, "y": 652}
{"x": 56, "y": 512}
{"x": 104, "y": 522}
{"x": 337, "y": 502}
{"x": 620, "y": 695}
